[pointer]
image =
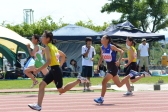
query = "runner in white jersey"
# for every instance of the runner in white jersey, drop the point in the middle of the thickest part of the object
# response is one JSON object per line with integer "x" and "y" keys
{"x": 37, "y": 53}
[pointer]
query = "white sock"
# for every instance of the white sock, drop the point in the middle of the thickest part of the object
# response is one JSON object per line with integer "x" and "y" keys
{"x": 102, "y": 98}
{"x": 131, "y": 75}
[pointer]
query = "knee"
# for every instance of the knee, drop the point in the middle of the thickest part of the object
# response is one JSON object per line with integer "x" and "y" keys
{"x": 60, "y": 90}
{"x": 132, "y": 80}
{"x": 25, "y": 71}
{"x": 104, "y": 82}
{"x": 42, "y": 85}
{"x": 119, "y": 85}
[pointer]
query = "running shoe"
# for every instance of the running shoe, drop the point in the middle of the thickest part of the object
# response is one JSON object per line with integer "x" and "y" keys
{"x": 146, "y": 74}
{"x": 99, "y": 100}
{"x": 34, "y": 83}
{"x": 82, "y": 79}
{"x": 134, "y": 73}
{"x": 128, "y": 93}
{"x": 35, "y": 107}
{"x": 84, "y": 89}
{"x": 88, "y": 89}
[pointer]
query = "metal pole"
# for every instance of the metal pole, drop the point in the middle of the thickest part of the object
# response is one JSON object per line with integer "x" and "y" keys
{"x": 30, "y": 13}
{"x": 33, "y": 15}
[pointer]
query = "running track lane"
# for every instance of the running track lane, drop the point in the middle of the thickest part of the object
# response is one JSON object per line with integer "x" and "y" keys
{"x": 146, "y": 101}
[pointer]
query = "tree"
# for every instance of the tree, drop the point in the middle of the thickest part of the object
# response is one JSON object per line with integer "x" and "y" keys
{"x": 144, "y": 14}
{"x": 47, "y": 23}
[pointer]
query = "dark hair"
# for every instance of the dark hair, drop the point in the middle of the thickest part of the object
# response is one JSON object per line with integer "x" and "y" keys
{"x": 132, "y": 40}
{"x": 19, "y": 55}
{"x": 36, "y": 37}
{"x": 110, "y": 41}
{"x": 71, "y": 61}
{"x": 75, "y": 64}
{"x": 88, "y": 39}
{"x": 49, "y": 34}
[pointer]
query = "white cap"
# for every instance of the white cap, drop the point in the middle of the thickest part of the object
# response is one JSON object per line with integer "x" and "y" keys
{"x": 164, "y": 54}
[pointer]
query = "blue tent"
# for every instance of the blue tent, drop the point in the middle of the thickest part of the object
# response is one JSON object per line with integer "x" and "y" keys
{"x": 71, "y": 38}
{"x": 74, "y": 32}
{"x": 121, "y": 31}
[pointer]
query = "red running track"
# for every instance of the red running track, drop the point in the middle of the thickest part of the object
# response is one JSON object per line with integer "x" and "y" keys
{"x": 145, "y": 101}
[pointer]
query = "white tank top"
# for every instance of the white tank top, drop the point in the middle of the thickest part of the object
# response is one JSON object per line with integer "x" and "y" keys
{"x": 39, "y": 52}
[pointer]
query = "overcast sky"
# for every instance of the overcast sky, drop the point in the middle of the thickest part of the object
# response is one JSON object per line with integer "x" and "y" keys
{"x": 71, "y": 11}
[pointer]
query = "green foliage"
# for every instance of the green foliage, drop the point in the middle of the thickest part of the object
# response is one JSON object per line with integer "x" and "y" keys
{"x": 47, "y": 23}
{"x": 144, "y": 14}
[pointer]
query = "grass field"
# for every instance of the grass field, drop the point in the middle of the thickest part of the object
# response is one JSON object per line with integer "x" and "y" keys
{"x": 25, "y": 84}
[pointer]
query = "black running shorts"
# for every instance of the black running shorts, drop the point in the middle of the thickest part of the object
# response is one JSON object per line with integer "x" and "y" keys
{"x": 131, "y": 66}
{"x": 54, "y": 74}
{"x": 112, "y": 68}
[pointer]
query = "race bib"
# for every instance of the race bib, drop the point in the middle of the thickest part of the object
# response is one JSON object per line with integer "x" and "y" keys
{"x": 57, "y": 55}
{"x": 107, "y": 57}
{"x": 135, "y": 54}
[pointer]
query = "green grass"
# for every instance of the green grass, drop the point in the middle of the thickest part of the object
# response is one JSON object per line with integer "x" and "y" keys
{"x": 25, "y": 84}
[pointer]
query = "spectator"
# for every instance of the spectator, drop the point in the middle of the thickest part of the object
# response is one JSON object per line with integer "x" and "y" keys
{"x": 65, "y": 69}
{"x": 88, "y": 52}
{"x": 77, "y": 67}
{"x": 143, "y": 51}
{"x": 18, "y": 64}
{"x": 9, "y": 65}
{"x": 74, "y": 68}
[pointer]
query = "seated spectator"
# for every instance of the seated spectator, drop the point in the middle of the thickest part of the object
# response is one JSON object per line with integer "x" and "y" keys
{"x": 74, "y": 68}
{"x": 18, "y": 64}
{"x": 77, "y": 68}
{"x": 9, "y": 65}
{"x": 102, "y": 69}
{"x": 65, "y": 69}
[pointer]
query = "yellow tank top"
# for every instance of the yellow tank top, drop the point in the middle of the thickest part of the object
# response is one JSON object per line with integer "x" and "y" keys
{"x": 54, "y": 53}
{"x": 135, "y": 54}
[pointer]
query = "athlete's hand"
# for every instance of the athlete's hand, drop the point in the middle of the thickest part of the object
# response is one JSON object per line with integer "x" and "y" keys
{"x": 92, "y": 59}
{"x": 123, "y": 59}
{"x": 117, "y": 63}
{"x": 43, "y": 48}
{"x": 36, "y": 71}
{"x": 97, "y": 68}
{"x": 125, "y": 65}
{"x": 28, "y": 46}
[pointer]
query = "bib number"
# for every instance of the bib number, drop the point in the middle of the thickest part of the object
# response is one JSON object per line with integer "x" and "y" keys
{"x": 107, "y": 57}
{"x": 135, "y": 55}
{"x": 57, "y": 55}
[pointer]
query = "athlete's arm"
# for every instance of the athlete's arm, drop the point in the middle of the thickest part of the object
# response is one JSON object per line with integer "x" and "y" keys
{"x": 132, "y": 56}
{"x": 43, "y": 50}
{"x": 124, "y": 59}
{"x": 118, "y": 50}
{"x": 62, "y": 55}
{"x": 101, "y": 59}
{"x": 32, "y": 53}
{"x": 48, "y": 60}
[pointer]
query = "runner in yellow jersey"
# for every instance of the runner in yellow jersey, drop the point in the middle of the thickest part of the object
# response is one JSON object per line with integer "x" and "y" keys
{"x": 52, "y": 59}
{"x": 132, "y": 65}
